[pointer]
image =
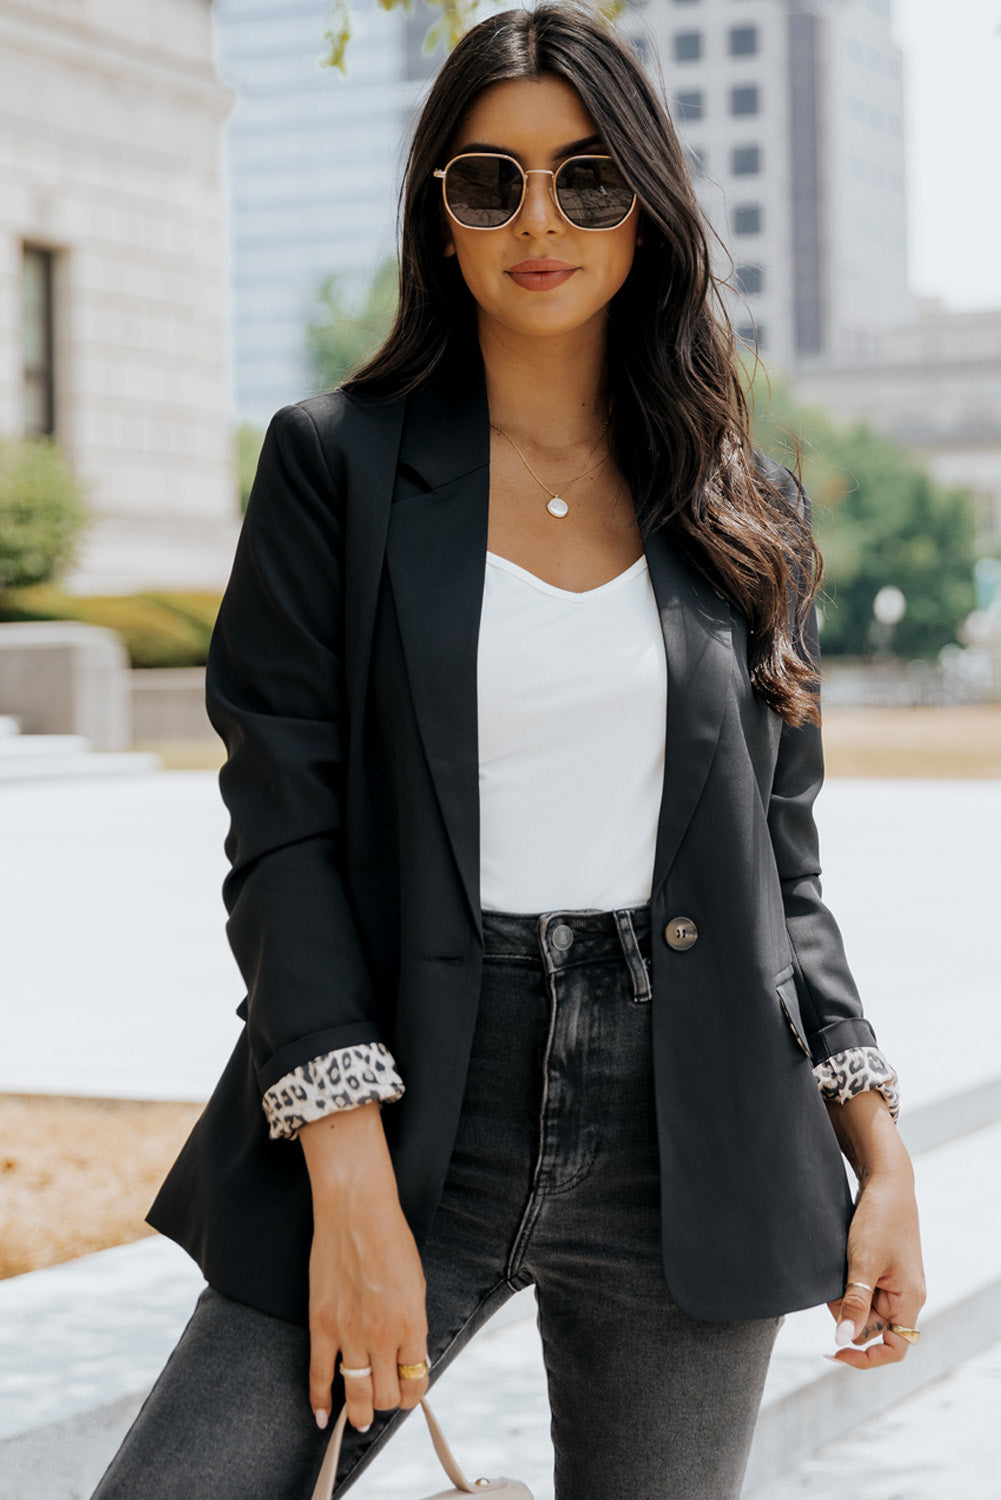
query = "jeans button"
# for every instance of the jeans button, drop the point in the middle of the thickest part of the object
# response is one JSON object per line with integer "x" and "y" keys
{"x": 562, "y": 936}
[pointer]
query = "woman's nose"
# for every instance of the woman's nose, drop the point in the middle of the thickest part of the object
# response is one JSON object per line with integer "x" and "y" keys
{"x": 538, "y": 213}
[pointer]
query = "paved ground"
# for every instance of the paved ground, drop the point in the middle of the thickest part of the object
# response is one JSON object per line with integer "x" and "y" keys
{"x": 942, "y": 1444}
{"x": 118, "y": 979}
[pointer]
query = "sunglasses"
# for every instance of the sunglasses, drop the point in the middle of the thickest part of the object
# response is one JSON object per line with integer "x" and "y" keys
{"x": 485, "y": 190}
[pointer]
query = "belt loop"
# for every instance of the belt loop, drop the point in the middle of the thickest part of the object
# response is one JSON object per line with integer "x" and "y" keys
{"x": 634, "y": 958}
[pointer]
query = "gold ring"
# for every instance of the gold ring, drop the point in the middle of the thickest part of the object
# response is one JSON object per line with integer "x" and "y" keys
{"x": 359, "y": 1373}
{"x": 910, "y": 1334}
{"x": 413, "y": 1372}
{"x": 863, "y": 1284}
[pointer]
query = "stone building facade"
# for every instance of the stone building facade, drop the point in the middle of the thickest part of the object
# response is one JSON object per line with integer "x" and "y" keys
{"x": 113, "y": 304}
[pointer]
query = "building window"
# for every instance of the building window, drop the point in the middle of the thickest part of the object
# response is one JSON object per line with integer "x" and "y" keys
{"x": 689, "y": 105}
{"x": 687, "y": 46}
{"x": 747, "y": 219}
{"x": 686, "y": 2}
{"x": 750, "y": 280}
{"x": 743, "y": 41}
{"x": 745, "y": 100}
{"x": 749, "y": 334}
{"x": 640, "y": 47}
{"x": 39, "y": 341}
{"x": 745, "y": 161}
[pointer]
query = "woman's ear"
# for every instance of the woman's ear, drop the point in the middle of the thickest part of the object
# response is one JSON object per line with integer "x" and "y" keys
{"x": 449, "y": 246}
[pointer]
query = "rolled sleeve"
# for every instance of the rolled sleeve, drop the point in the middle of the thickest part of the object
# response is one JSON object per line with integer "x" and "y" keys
{"x": 829, "y": 1001}
{"x": 342, "y": 1079}
{"x": 857, "y": 1070}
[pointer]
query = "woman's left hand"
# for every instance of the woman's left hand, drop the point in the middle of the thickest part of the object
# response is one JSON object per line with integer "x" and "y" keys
{"x": 884, "y": 1244}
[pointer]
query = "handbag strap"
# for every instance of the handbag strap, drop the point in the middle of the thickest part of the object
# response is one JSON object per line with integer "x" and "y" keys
{"x": 324, "y": 1488}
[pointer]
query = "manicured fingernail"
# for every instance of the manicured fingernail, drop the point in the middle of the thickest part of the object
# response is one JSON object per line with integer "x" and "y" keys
{"x": 322, "y": 1418}
{"x": 844, "y": 1335}
{"x": 365, "y": 1428}
{"x": 833, "y": 1358}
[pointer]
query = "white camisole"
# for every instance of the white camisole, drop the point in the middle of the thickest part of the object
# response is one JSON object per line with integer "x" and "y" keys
{"x": 572, "y": 704}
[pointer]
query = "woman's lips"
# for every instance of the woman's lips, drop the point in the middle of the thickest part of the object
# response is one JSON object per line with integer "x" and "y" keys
{"x": 540, "y": 275}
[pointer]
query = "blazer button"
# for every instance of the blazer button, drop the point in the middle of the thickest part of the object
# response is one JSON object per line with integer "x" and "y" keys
{"x": 681, "y": 933}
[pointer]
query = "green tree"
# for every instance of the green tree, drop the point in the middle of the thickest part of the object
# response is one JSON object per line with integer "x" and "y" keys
{"x": 249, "y": 441}
{"x": 880, "y": 520}
{"x": 454, "y": 18}
{"x": 42, "y": 512}
{"x": 341, "y": 335}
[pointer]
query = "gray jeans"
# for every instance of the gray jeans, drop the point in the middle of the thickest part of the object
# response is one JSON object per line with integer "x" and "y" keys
{"x": 553, "y": 1182}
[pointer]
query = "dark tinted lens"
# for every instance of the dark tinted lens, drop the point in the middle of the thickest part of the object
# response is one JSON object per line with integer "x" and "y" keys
{"x": 592, "y": 193}
{"x": 483, "y": 191}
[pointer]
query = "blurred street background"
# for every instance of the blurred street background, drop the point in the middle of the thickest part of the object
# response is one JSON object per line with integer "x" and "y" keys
{"x": 198, "y": 226}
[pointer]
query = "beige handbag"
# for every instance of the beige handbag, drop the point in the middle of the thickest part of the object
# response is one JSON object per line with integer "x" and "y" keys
{"x": 513, "y": 1488}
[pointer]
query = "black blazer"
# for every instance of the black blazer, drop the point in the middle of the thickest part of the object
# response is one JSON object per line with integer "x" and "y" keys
{"x": 342, "y": 676}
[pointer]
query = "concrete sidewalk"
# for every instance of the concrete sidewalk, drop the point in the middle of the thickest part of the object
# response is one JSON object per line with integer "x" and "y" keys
{"x": 80, "y": 1344}
{"x": 118, "y": 979}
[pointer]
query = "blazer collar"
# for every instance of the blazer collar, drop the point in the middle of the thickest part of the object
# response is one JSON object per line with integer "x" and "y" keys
{"x": 446, "y": 429}
{"x": 436, "y": 554}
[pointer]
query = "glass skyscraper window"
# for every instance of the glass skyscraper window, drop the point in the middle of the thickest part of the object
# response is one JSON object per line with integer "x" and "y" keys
{"x": 750, "y": 280}
{"x": 747, "y": 219}
{"x": 745, "y": 161}
{"x": 745, "y": 100}
{"x": 743, "y": 41}
{"x": 689, "y": 104}
{"x": 687, "y": 46}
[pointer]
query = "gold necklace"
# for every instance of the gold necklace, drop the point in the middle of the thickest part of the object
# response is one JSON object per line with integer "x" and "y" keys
{"x": 556, "y": 505}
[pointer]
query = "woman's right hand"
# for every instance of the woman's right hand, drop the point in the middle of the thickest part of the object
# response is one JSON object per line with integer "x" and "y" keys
{"x": 366, "y": 1282}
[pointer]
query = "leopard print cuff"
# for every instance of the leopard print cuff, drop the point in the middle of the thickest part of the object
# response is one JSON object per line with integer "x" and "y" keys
{"x": 336, "y": 1080}
{"x": 856, "y": 1071}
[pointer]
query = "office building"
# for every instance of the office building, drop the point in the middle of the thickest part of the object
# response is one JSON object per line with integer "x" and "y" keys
{"x": 791, "y": 111}
{"x": 313, "y": 162}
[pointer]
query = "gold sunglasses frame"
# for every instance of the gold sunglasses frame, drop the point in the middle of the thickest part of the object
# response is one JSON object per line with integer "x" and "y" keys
{"x": 526, "y": 173}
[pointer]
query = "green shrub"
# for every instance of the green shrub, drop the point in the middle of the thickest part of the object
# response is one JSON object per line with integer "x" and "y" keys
{"x": 159, "y": 630}
{"x": 880, "y": 519}
{"x": 42, "y": 512}
{"x": 249, "y": 442}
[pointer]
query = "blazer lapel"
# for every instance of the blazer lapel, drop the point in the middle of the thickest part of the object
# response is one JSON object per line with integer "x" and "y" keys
{"x": 696, "y": 623}
{"x": 436, "y": 556}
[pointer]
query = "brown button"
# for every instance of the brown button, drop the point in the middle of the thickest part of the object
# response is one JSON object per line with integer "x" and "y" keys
{"x": 681, "y": 933}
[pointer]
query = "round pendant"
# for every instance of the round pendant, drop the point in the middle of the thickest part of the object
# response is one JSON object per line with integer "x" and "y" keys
{"x": 557, "y": 507}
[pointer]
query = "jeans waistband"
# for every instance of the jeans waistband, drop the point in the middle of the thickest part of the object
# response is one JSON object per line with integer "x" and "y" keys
{"x": 561, "y": 939}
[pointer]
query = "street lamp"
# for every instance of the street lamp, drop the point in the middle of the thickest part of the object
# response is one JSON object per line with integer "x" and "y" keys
{"x": 889, "y": 605}
{"x": 888, "y": 608}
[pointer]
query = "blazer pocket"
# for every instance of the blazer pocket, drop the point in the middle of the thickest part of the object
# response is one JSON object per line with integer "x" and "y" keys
{"x": 785, "y": 985}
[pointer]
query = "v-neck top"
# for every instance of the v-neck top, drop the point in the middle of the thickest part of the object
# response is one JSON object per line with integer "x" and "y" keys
{"x": 572, "y": 706}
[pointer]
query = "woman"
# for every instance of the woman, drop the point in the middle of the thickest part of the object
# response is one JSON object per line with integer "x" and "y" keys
{"x": 516, "y": 672}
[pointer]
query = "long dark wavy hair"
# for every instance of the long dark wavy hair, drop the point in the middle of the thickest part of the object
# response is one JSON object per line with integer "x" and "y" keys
{"x": 680, "y": 425}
